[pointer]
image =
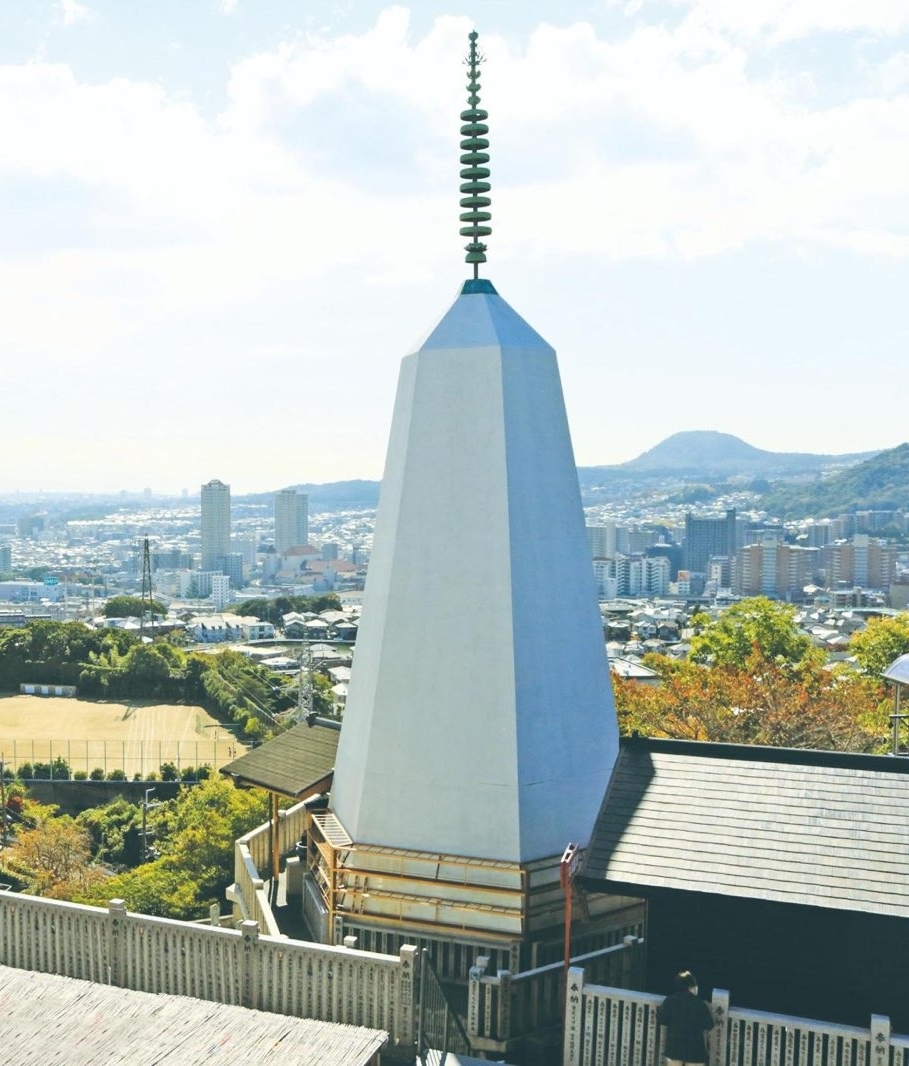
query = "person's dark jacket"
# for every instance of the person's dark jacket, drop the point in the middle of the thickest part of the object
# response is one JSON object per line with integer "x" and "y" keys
{"x": 687, "y": 1019}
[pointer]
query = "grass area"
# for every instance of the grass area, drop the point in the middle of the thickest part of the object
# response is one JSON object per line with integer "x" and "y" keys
{"x": 135, "y": 736}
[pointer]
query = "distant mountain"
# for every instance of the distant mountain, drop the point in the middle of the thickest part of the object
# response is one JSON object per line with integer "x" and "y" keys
{"x": 877, "y": 484}
{"x": 706, "y": 452}
{"x": 332, "y": 496}
{"x": 701, "y": 455}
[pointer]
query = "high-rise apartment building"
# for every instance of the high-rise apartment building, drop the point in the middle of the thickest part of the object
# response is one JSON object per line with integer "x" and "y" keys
{"x": 706, "y": 537}
{"x": 862, "y": 561}
{"x": 291, "y": 520}
{"x": 6, "y": 558}
{"x": 601, "y": 539}
{"x": 215, "y": 524}
{"x": 775, "y": 569}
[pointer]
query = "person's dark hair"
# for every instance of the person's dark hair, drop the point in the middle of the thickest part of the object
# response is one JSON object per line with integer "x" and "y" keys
{"x": 685, "y": 980}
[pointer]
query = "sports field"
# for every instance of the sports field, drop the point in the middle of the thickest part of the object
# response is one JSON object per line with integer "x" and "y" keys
{"x": 135, "y": 737}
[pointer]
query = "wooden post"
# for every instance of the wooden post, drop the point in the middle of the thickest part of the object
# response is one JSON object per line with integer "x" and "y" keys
{"x": 880, "y": 1040}
{"x": 572, "y": 1045}
{"x": 116, "y": 908}
{"x": 629, "y": 958}
{"x": 275, "y": 845}
{"x": 719, "y": 1038}
{"x": 406, "y": 1035}
{"x": 473, "y": 996}
{"x": 503, "y": 1021}
{"x": 249, "y": 979}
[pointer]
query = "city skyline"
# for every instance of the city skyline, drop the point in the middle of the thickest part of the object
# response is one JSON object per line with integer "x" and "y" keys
{"x": 225, "y": 225}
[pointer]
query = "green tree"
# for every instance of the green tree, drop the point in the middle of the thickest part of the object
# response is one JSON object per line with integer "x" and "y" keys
{"x": 880, "y": 642}
{"x": 114, "y": 831}
{"x": 131, "y": 607}
{"x": 753, "y": 623}
{"x": 195, "y": 835}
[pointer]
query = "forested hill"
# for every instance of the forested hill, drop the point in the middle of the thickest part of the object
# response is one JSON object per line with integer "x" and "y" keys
{"x": 877, "y": 484}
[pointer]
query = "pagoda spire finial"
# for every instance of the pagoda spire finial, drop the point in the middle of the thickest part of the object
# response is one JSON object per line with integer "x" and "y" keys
{"x": 474, "y": 157}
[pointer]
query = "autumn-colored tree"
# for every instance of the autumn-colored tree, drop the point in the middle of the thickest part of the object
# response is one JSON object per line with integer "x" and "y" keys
{"x": 55, "y": 858}
{"x": 764, "y": 701}
{"x": 880, "y": 642}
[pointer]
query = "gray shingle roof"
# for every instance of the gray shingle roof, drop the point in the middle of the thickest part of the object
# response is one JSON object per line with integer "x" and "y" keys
{"x": 294, "y": 764}
{"x": 51, "y": 1019}
{"x": 825, "y": 829}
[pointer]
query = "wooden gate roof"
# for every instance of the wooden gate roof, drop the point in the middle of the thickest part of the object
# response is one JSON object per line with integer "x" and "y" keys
{"x": 298, "y": 763}
{"x": 825, "y": 829}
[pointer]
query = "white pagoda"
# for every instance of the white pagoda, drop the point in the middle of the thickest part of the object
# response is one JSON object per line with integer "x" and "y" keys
{"x": 479, "y": 732}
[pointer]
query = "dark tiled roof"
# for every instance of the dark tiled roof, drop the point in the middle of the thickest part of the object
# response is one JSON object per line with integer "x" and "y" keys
{"x": 296, "y": 763}
{"x": 824, "y": 829}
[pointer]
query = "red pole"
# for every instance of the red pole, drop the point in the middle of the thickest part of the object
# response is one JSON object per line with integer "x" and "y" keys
{"x": 568, "y": 866}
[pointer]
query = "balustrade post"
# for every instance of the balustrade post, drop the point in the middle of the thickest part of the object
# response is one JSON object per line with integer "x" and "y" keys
{"x": 719, "y": 1038}
{"x": 116, "y": 909}
{"x": 503, "y": 1020}
{"x": 880, "y": 1040}
{"x": 249, "y": 977}
{"x": 474, "y": 990}
{"x": 572, "y": 1043}
{"x": 406, "y": 1013}
{"x": 628, "y": 960}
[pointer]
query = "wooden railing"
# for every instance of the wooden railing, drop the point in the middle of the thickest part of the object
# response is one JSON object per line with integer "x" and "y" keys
{"x": 503, "y": 1008}
{"x": 610, "y": 1026}
{"x": 252, "y": 854}
{"x": 223, "y": 965}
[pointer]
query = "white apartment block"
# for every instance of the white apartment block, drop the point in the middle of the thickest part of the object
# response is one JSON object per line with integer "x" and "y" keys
{"x": 601, "y": 539}
{"x": 215, "y": 524}
{"x": 291, "y": 520}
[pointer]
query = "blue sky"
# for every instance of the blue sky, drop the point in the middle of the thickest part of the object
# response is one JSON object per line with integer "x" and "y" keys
{"x": 224, "y": 222}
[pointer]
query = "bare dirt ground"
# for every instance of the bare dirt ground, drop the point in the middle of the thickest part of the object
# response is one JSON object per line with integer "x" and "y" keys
{"x": 135, "y": 737}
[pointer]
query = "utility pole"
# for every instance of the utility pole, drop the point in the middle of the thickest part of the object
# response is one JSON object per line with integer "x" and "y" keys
{"x": 146, "y": 593}
{"x": 304, "y": 692}
{"x": 146, "y": 806}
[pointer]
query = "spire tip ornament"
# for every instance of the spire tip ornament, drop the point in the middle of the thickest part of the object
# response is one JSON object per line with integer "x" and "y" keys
{"x": 475, "y": 185}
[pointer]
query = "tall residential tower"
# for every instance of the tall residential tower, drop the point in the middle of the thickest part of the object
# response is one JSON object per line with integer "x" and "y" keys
{"x": 215, "y": 524}
{"x": 291, "y": 519}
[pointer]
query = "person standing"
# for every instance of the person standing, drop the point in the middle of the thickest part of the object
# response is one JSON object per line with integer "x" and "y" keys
{"x": 687, "y": 1020}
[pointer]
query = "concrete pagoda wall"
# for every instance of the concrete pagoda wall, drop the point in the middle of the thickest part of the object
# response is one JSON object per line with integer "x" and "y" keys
{"x": 479, "y": 718}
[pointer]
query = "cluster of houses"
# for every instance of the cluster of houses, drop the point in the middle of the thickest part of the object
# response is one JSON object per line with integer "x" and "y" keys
{"x": 634, "y": 628}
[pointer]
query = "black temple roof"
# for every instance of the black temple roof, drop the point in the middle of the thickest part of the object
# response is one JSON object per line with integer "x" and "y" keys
{"x": 825, "y": 829}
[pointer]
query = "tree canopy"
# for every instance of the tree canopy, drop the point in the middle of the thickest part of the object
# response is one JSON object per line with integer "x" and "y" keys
{"x": 131, "y": 607}
{"x": 274, "y": 610}
{"x": 758, "y": 622}
{"x": 881, "y": 641}
{"x": 761, "y": 701}
{"x": 194, "y": 835}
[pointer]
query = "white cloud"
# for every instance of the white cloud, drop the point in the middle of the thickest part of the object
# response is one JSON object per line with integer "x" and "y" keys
{"x": 72, "y": 12}
{"x": 660, "y": 144}
{"x": 790, "y": 20}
